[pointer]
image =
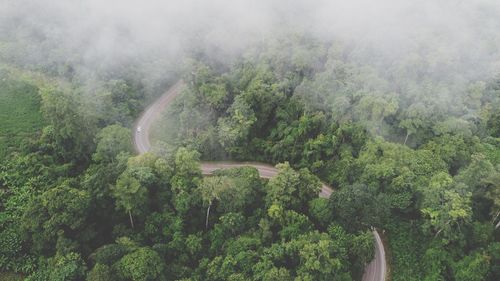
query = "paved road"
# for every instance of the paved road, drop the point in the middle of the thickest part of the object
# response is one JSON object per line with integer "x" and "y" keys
{"x": 375, "y": 271}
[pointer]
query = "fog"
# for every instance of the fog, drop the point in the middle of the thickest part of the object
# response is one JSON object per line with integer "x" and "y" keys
{"x": 97, "y": 34}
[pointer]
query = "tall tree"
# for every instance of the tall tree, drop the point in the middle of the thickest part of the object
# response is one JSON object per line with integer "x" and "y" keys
{"x": 211, "y": 190}
{"x": 445, "y": 205}
{"x": 129, "y": 194}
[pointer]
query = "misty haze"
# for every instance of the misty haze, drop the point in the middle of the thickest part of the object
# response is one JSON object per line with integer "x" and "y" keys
{"x": 249, "y": 140}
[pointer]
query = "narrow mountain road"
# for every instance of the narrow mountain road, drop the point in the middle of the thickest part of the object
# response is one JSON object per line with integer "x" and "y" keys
{"x": 374, "y": 271}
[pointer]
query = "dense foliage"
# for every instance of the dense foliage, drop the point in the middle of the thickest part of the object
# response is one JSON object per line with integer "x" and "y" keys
{"x": 76, "y": 204}
{"x": 418, "y": 157}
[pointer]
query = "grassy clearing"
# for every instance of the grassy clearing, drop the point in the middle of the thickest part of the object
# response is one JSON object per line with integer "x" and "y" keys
{"x": 20, "y": 115}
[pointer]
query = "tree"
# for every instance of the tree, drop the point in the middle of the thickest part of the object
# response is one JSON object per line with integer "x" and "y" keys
{"x": 109, "y": 254}
{"x": 263, "y": 95}
{"x": 235, "y": 128}
{"x": 359, "y": 207}
{"x": 318, "y": 263}
{"x": 69, "y": 267}
{"x": 493, "y": 194}
{"x": 454, "y": 150}
{"x": 315, "y": 254}
{"x": 372, "y": 109}
{"x": 472, "y": 268}
{"x": 245, "y": 193}
{"x": 187, "y": 166}
{"x": 396, "y": 172}
{"x": 66, "y": 206}
{"x": 215, "y": 94}
{"x": 277, "y": 274}
{"x": 453, "y": 125}
{"x": 141, "y": 178}
{"x": 58, "y": 210}
{"x": 126, "y": 96}
{"x": 129, "y": 194}
{"x": 211, "y": 190}
{"x": 111, "y": 141}
{"x": 100, "y": 272}
{"x": 291, "y": 189}
{"x": 482, "y": 178}
{"x": 187, "y": 175}
{"x": 445, "y": 205}
{"x": 69, "y": 130}
{"x": 436, "y": 262}
{"x": 143, "y": 264}
{"x": 293, "y": 225}
{"x": 321, "y": 211}
{"x": 415, "y": 118}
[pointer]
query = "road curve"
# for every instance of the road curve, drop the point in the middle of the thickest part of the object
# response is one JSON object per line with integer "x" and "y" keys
{"x": 374, "y": 271}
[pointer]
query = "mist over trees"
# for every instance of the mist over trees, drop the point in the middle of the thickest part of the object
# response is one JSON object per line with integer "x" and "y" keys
{"x": 395, "y": 104}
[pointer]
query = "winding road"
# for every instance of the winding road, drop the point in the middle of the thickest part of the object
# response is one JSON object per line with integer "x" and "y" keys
{"x": 374, "y": 271}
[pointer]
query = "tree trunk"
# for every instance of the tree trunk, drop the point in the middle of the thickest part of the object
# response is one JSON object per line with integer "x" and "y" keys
{"x": 438, "y": 233}
{"x": 407, "y": 134}
{"x": 130, "y": 217}
{"x": 495, "y": 218}
{"x": 448, "y": 222}
{"x": 208, "y": 213}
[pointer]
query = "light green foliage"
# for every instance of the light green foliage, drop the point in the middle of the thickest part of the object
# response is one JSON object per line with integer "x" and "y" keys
{"x": 111, "y": 141}
{"x": 445, "y": 206}
{"x": 143, "y": 264}
{"x": 100, "y": 272}
{"x": 144, "y": 173}
{"x": 129, "y": 193}
{"x": 373, "y": 109}
{"x": 69, "y": 267}
{"x": 244, "y": 191}
{"x": 282, "y": 187}
{"x": 435, "y": 262}
{"x": 416, "y": 118}
{"x": 236, "y": 127}
{"x": 186, "y": 178}
{"x": 312, "y": 257}
{"x": 454, "y": 150}
{"x": 186, "y": 163}
{"x": 396, "y": 171}
{"x": 211, "y": 190}
{"x": 291, "y": 189}
{"x": 263, "y": 95}
{"x": 277, "y": 274}
{"x": 472, "y": 268}
{"x": 215, "y": 93}
{"x": 453, "y": 125}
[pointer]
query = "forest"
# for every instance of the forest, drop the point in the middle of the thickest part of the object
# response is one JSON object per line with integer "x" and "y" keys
{"x": 408, "y": 140}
